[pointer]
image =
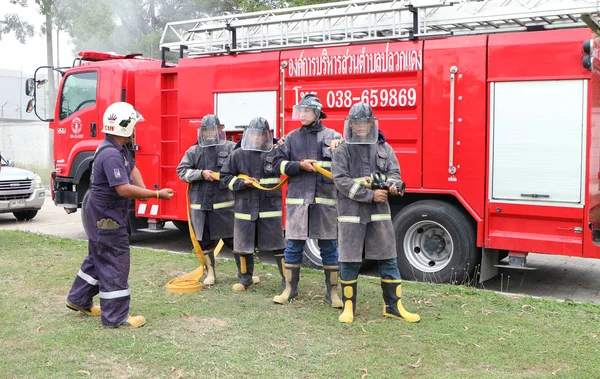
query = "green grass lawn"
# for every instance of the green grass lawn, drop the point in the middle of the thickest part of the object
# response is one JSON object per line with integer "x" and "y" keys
{"x": 464, "y": 332}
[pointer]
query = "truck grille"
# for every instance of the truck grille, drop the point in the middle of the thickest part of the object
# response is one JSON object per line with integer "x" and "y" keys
{"x": 8, "y": 186}
{"x": 14, "y": 197}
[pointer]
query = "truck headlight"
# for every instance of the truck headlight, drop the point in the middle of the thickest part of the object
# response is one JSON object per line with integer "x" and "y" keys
{"x": 38, "y": 181}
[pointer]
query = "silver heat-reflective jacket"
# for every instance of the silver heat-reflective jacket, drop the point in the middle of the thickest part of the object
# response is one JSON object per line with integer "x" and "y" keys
{"x": 311, "y": 197}
{"x": 210, "y": 202}
{"x": 258, "y": 213}
{"x": 362, "y": 222}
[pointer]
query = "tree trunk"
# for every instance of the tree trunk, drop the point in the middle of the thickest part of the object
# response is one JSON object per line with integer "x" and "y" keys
{"x": 57, "y": 46}
{"x": 50, "y": 61}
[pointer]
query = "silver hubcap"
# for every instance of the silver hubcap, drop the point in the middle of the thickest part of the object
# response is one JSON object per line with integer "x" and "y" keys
{"x": 428, "y": 246}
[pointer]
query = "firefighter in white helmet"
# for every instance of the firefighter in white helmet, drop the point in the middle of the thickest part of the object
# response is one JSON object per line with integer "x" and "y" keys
{"x": 114, "y": 180}
{"x": 364, "y": 218}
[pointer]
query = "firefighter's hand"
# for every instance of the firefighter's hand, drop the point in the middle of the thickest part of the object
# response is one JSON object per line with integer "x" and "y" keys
{"x": 394, "y": 189}
{"x": 165, "y": 193}
{"x": 307, "y": 165}
{"x": 280, "y": 142}
{"x": 248, "y": 182}
{"x": 379, "y": 196}
{"x": 334, "y": 143}
{"x": 208, "y": 175}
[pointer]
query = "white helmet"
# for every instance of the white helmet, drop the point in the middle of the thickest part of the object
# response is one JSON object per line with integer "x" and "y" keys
{"x": 119, "y": 119}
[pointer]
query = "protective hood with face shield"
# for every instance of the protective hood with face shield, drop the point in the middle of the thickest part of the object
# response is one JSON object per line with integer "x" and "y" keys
{"x": 257, "y": 136}
{"x": 309, "y": 109}
{"x": 361, "y": 127}
{"x": 120, "y": 119}
{"x": 210, "y": 132}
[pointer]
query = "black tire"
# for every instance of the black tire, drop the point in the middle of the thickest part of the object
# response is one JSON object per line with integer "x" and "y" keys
{"x": 182, "y": 226}
{"x": 25, "y": 215}
{"x": 312, "y": 255}
{"x": 436, "y": 242}
{"x": 83, "y": 203}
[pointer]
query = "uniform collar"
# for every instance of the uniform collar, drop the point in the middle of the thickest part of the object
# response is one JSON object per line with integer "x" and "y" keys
{"x": 315, "y": 127}
{"x": 113, "y": 142}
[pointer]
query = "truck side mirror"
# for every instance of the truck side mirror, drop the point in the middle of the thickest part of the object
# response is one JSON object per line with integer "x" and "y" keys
{"x": 11, "y": 163}
{"x": 30, "y": 105}
{"x": 29, "y": 87}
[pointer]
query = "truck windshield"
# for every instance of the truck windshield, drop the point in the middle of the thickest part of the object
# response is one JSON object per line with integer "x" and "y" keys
{"x": 79, "y": 91}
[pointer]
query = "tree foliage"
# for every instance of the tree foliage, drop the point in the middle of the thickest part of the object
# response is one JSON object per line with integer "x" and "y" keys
{"x": 11, "y": 23}
{"x": 136, "y": 26}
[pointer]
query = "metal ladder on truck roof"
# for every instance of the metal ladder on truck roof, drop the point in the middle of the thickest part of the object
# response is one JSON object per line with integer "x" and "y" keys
{"x": 367, "y": 21}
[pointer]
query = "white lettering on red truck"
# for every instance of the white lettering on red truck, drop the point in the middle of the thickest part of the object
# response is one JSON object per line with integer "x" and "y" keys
{"x": 350, "y": 64}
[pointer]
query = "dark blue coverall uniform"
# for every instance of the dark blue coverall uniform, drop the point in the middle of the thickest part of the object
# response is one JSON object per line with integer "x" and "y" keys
{"x": 105, "y": 270}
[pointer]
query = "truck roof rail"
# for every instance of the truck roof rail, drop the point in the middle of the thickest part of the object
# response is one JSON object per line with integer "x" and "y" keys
{"x": 367, "y": 21}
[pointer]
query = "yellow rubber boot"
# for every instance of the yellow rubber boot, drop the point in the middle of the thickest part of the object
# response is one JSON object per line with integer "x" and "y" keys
{"x": 279, "y": 258}
{"x": 245, "y": 264}
{"x": 331, "y": 282}
{"x": 392, "y": 301}
{"x": 349, "y": 288}
{"x": 94, "y": 311}
{"x": 132, "y": 322}
{"x": 292, "y": 277}
{"x": 209, "y": 260}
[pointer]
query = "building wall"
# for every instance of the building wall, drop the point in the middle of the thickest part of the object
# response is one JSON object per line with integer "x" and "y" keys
{"x": 29, "y": 145}
{"x": 13, "y": 100}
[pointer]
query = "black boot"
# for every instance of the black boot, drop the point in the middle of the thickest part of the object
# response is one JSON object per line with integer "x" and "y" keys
{"x": 209, "y": 261}
{"x": 331, "y": 281}
{"x": 292, "y": 277}
{"x": 281, "y": 266}
{"x": 392, "y": 301}
{"x": 349, "y": 289}
{"x": 245, "y": 264}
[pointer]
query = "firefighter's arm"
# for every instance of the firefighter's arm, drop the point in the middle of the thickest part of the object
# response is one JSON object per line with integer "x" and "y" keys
{"x": 283, "y": 164}
{"x": 393, "y": 173}
{"x": 131, "y": 191}
{"x": 186, "y": 169}
{"x": 136, "y": 175}
{"x": 346, "y": 184}
{"x": 229, "y": 172}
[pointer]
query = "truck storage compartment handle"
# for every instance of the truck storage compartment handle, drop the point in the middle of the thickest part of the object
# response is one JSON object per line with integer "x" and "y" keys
{"x": 451, "y": 168}
{"x": 93, "y": 129}
{"x": 536, "y": 195}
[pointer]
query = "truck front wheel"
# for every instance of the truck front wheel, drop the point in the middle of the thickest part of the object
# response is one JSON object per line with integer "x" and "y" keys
{"x": 435, "y": 242}
{"x": 83, "y": 203}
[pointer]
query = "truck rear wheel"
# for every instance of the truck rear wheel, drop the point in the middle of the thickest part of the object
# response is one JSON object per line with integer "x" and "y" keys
{"x": 25, "y": 215}
{"x": 436, "y": 242}
{"x": 312, "y": 254}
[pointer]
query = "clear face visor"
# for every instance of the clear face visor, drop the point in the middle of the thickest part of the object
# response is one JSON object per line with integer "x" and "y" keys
{"x": 211, "y": 135}
{"x": 257, "y": 140}
{"x": 364, "y": 131}
{"x": 304, "y": 114}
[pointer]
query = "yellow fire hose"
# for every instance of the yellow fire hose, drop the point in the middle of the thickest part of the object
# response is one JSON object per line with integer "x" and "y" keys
{"x": 190, "y": 282}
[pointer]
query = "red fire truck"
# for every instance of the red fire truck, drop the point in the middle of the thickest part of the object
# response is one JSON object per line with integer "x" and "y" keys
{"x": 491, "y": 108}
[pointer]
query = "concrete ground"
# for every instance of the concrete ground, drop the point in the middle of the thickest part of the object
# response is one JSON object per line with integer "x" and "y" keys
{"x": 564, "y": 278}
